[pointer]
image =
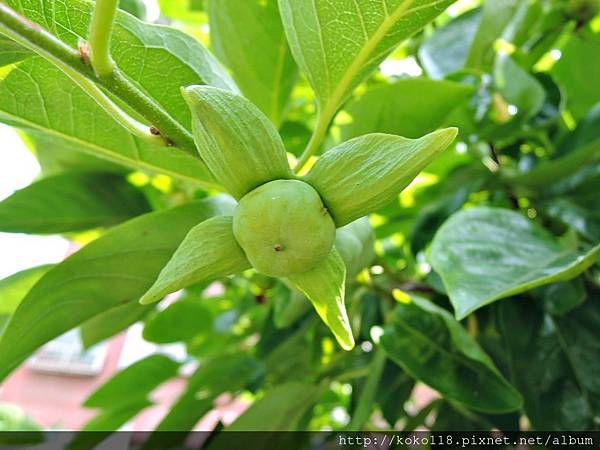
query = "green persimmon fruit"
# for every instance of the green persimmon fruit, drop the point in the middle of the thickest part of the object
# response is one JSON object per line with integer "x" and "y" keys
{"x": 284, "y": 228}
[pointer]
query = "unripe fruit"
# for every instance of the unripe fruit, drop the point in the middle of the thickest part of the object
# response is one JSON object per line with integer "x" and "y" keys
{"x": 284, "y": 228}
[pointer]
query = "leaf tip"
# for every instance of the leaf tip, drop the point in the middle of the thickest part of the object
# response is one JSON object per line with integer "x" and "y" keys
{"x": 148, "y": 298}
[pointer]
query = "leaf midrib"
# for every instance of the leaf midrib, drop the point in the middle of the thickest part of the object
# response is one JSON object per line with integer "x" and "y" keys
{"x": 357, "y": 63}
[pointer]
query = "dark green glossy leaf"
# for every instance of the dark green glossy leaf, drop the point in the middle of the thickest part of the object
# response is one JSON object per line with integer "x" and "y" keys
{"x": 71, "y": 202}
{"x": 560, "y": 298}
{"x": 486, "y": 254}
{"x": 427, "y": 342}
{"x": 554, "y": 363}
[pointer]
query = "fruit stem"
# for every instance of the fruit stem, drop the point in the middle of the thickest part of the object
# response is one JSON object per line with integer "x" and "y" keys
{"x": 100, "y": 34}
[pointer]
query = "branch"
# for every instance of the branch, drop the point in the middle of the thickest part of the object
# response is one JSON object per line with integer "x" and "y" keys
{"x": 32, "y": 36}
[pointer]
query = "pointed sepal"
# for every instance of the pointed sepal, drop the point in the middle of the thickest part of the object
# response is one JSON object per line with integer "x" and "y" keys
{"x": 209, "y": 251}
{"x": 364, "y": 174}
{"x": 238, "y": 143}
{"x": 324, "y": 286}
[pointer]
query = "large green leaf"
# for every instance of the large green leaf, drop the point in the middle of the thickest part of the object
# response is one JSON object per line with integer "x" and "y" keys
{"x": 236, "y": 140}
{"x": 363, "y": 174}
{"x": 71, "y": 202}
{"x": 160, "y": 59}
{"x": 555, "y": 362}
{"x": 14, "y": 288}
{"x": 265, "y": 70}
{"x": 37, "y": 96}
{"x": 336, "y": 55}
{"x": 434, "y": 348}
{"x": 409, "y": 108}
{"x": 486, "y": 254}
{"x": 115, "y": 269}
{"x": 133, "y": 382}
{"x": 111, "y": 322}
{"x": 209, "y": 251}
{"x": 324, "y": 286}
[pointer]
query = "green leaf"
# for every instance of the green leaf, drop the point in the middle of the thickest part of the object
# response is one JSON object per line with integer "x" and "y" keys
{"x": 134, "y": 7}
{"x": 238, "y": 143}
{"x": 108, "y": 420}
{"x": 160, "y": 59}
{"x": 325, "y": 288}
{"x": 288, "y": 306}
{"x": 445, "y": 50}
{"x": 209, "y": 251}
{"x": 495, "y": 17}
{"x": 560, "y": 298}
{"x": 554, "y": 362}
{"x": 11, "y": 52}
{"x": 486, "y": 254}
{"x": 71, "y": 202}
{"x": 575, "y": 70}
{"x": 180, "y": 321}
{"x": 370, "y": 29}
{"x": 37, "y": 96}
{"x": 393, "y": 392}
{"x": 583, "y": 217}
{"x": 410, "y": 108}
{"x": 284, "y": 405}
{"x": 518, "y": 87}
{"x": 15, "y": 287}
{"x": 56, "y": 157}
{"x": 427, "y": 342}
{"x": 226, "y": 373}
{"x": 111, "y": 322}
{"x": 366, "y": 173}
{"x": 133, "y": 382}
{"x": 115, "y": 269}
{"x": 366, "y": 399}
{"x": 265, "y": 71}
